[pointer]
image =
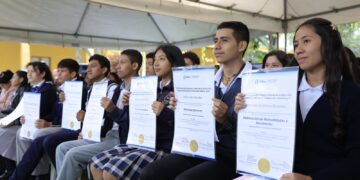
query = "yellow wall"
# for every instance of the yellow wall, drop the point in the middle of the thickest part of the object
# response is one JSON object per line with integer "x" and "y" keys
{"x": 9, "y": 56}
{"x": 55, "y": 53}
{"x": 15, "y": 56}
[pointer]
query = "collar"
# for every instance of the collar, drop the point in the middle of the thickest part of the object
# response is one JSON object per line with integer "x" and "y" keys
{"x": 39, "y": 84}
{"x": 104, "y": 80}
{"x": 218, "y": 74}
{"x": 122, "y": 86}
{"x": 304, "y": 85}
{"x": 160, "y": 84}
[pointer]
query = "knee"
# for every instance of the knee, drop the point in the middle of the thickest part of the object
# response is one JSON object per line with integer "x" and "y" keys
{"x": 61, "y": 150}
{"x": 70, "y": 154}
{"x": 47, "y": 142}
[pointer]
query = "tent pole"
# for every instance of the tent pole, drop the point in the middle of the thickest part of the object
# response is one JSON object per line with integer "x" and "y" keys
{"x": 285, "y": 24}
{"x": 158, "y": 27}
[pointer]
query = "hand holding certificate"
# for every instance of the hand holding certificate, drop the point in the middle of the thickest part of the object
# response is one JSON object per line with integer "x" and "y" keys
{"x": 72, "y": 104}
{"x": 142, "y": 127}
{"x": 194, "y": 122}
{"x": 266, "y": 127}
{"x": 94, "y": 113}
{"x": 31, "y": 113}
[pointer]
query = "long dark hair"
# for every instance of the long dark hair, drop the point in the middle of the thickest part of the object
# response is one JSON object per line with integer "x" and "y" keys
{"x": 337, "y": 66}
{"x": 42, "y": 68}
{"x": 23, "y": 75}
{"x": 173, "y": 54}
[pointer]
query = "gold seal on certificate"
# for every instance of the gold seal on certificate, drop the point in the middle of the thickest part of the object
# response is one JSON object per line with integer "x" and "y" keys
{"x": 264, "y": 165}
{"x": 194, "y": 147}
{"x": 72, "y": 124}
{"x": 141, "y": 139}
{"x": 90, "y": 134}
{"x": 28, "y": 134}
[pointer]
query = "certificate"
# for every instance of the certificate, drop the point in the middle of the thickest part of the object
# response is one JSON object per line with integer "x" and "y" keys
{"x": 72, "y": 104}
{"x": 15, "y": 114}
{"x": 142, "y": 122}
{"x": 194, "y": 122}
{"x": 31, "y": 110}
{"x": 94, "y": 116}
{"x": 266, "y": 127}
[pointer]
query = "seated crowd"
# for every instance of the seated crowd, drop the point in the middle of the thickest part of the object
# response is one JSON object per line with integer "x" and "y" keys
{"x": 327, "y": 144}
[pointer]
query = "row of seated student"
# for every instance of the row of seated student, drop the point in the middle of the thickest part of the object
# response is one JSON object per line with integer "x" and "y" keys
{"x": 327, "y": 144}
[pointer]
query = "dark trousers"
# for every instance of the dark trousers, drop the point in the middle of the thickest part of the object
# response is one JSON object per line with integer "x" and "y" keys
{"x": 188, "y": 168}
{"x": 41, "y": 145}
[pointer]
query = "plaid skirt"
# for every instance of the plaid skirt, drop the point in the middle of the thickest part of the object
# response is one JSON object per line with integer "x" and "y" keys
{"x": 125, "y": 162}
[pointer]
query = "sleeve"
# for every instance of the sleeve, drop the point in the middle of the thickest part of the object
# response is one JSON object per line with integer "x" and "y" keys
{"x": 230, "y": 122}
{"x": 48, "y": 100}
{"x": 166, "y": 115}
{"x": 348, "y": 166}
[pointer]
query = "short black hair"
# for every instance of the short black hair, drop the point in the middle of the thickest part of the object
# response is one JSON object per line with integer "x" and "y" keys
{"x": 241, "y": 31}
{"x": 193, "y": 57}
{"x": 42, "y": 68}
{"x": 70, "y": 64}
{"x": 134, "y": 56}
{"x": 102, "y": 60}
{"x": 150, "y": 55}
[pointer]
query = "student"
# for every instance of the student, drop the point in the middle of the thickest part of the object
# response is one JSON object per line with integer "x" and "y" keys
{"x": 327, "y": 145}
{"x": 150, "y": 58}
{"x": 275, "y": 60}
{"x": 6, "y": 92}
{"x": 40, "y": 79}
{"x": 231, "y": 41}
{"x": 191, "y": 59}
{"x": 67, "y": 71}
{"x": 126, "y": 162}
{"x": 73, "y": 156}
{"x": 19, "y": 83}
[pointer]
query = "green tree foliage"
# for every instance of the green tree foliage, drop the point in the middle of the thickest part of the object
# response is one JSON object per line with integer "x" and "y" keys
{"x": 350, "y": 34}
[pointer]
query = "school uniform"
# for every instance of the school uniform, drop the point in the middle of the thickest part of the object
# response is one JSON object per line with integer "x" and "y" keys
{"x": 72, "y": 156}
{"x": 126, "y": 161}
{"x": 8, "y": 134}
{"x": 185, "y": 167}
{"x": 45, "y": 144}
{"x": 47, "y": 103}
{"x": 317, "y": 153}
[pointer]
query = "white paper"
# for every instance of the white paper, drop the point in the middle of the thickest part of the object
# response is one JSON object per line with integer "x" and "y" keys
{"x": 142, "y": 127}
{"x": 15, "y": 114}
{"x": 72, "y": 104}
{"x": 94, "y": 113}
{"x": 31, "y": 114}
{"x": 266, "y": 127}
{"x": 194, "y": 122}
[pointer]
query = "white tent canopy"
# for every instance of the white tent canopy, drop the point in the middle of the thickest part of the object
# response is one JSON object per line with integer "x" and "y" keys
{"x": 144, "y": 24}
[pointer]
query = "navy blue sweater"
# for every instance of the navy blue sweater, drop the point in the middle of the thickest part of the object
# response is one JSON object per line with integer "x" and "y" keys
{"x": 317, "y": 153}
{"x": 226, "y": 147}
{"x": 47, "y": 101}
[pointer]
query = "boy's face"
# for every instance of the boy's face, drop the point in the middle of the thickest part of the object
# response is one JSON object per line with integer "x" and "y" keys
{"x": 226, "y": 47}
{"x": 64, "y": 74}
{"x": 125, "y": 68}
{"x": 95, "y": 72}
